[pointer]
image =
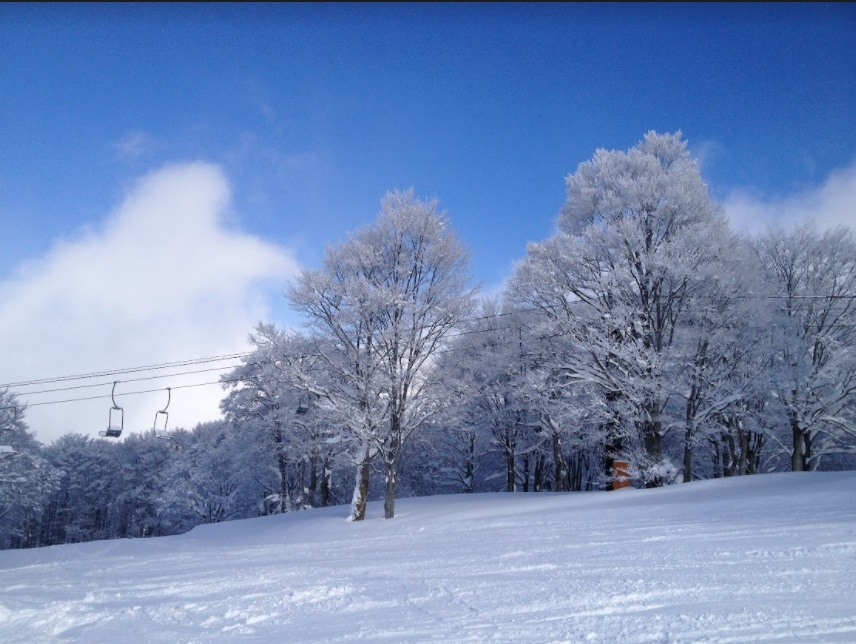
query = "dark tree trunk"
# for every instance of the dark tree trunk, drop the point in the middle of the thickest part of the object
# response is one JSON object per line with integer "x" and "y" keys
{"x": 361, "y": 493}
{"x": 797, "y": 454}
{"x": 281, "y": 465}
{"x": 561, "y": 467}
{"x": 575, "y": 472}
{"x": 313, "y": 481}
{"x": 742, "y": 464}
{"x": 389, "y": 500}
{"x": 325, "y": 482}
{"x": 614, "y": 443}
{"x": 510, "y": 448}
{"x": 509, "y": 471}
{"x": 717, "y": 458}
{"x": 653, "y": 440}
{"x": 540, "y": 469}
{"x": 469, "y": 465}
{"x": 526, "y": 473}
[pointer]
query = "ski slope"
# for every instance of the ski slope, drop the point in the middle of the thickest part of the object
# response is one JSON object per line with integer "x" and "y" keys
{"x": 767, "y": 558}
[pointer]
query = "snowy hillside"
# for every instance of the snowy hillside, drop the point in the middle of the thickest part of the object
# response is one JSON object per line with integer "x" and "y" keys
{"x": 762, "y": 558}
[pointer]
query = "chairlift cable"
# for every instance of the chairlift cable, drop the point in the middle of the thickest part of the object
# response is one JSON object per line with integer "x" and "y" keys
{"x": 243, "y": 354}
{"x": 124, "y": 393}
{"x": 102, "y": 384}
{"x": 234, "y": 356}
{"x": 98, "y": 374}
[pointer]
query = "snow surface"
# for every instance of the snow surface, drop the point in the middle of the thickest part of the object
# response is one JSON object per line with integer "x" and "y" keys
{"x": 760, "y": 558}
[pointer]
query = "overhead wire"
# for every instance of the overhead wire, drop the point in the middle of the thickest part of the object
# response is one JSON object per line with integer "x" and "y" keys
{"x": 124, "y": 393}
{"x": 117, "y": 372}
{"x": 107, "y": 384}
{"x": 244, "y": 354}
{"x": 238, "y": 355}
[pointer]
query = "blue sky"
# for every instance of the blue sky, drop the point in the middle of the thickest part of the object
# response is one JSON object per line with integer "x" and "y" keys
{"x": 284, "y": 125}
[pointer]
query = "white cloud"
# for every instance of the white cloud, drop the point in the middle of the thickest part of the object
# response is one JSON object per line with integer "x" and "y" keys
{"x": 831, "y": 204}
{"x": 164, "y": 279}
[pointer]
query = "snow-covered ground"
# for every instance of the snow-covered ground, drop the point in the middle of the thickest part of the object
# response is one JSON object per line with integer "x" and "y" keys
{"x": 762, "y": 558}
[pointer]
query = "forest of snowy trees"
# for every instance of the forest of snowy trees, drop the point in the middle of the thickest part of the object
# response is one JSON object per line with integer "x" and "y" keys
{"x": 644, "y": 330}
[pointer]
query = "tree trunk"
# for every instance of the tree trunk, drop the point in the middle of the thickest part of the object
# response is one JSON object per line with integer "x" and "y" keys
{"x": 389, "y": 500}
{"x": 469, "y": 465}
{"x": 614, "y": 441}
{"x": 509, "y": 471}
{"x": 809, "y": 463}
{"x": 510, "y": 447}
{"x": 540, "y": 467}
{"x": 797, "y": 454}
{"x": 717, "y": 457}
{"x": 688, "y": 453}
{"x": 313, "y": 481}
{"x": 281, "y": 464}
{"x": 754, "y": 445}
{"x": 729, "y": 467}
{"x": 361, "y": 489}
{"x": 576, "y": 464}
{"x": 693, "y": 404}
{"x": 742, "y": 467}
{"x": 561, "y": 468}
{"x": 392, "y": 452}
{"x": 653, "y": 440}
{"x": 325, "y": 482}
{"x": 526, "y": 472}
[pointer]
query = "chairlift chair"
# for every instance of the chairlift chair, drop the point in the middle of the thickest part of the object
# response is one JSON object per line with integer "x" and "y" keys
{"x": 161, "y": 433}
{"x": 116, "y": 421}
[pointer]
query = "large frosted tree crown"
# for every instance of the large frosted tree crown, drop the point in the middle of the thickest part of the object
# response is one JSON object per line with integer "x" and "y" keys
{"x": 656, "y": 179}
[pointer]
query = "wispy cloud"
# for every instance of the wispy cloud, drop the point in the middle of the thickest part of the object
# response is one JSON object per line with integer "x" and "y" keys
{"x": 830, "y": 204}
{"x": 135, "y": 145}
{"x": 164, "y": 278}
{"x": 707, "y": 153}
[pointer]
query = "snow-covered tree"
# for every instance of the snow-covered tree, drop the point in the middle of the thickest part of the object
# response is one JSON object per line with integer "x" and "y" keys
{"x": 143, "y": 460}
{"x": 722, "y": 376}
{"x": 205, "y": 481}
{"x": 484, "y": 370}
{"x": 637, "y": 237}
{"x": 811, "y": 278}
{"x": 379, "y": 308}
{"x": 84, "y": 505}
{"x": 260, "y": 396}
{"x": 26, "y": 478}
{"x": 271, "y": 400}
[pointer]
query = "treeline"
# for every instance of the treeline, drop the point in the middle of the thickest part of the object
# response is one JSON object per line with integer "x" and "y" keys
{"x": 644, "y": 330}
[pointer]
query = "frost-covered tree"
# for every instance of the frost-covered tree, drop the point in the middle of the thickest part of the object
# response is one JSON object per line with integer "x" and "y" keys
{"x": 259, "y": 398}
{"x": 83, "y": 507}
{"x": 379, "y": 308}
{"x": 811, "y": 278}
{"x": 271, "y": 400}
{"x": 722, "y": 373}
{"x": 205, "y": 481}
{"x": 485, "y": 370}
{"x": 567, "y": 415}
{"x": 637, "y": 236}
{"x": 26, "y": 478}
{"x": 143, "y": 461}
